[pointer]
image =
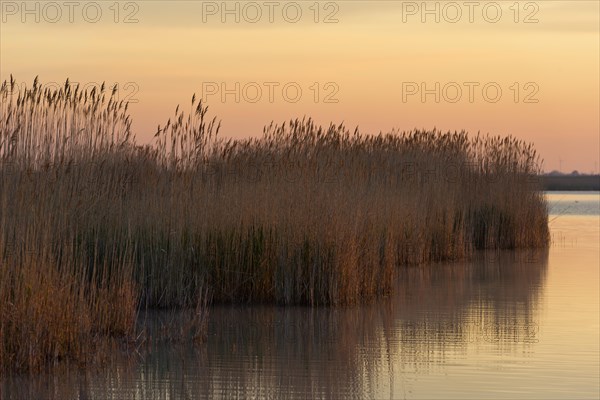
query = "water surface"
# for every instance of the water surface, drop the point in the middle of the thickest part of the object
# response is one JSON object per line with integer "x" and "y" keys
{"x": 521, "y": 324}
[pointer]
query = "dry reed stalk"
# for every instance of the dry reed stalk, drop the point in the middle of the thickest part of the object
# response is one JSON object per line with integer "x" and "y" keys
{"x": 304, "y": 214}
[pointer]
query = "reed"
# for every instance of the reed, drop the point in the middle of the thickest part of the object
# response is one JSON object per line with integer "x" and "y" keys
{"x": 92, "y": 223}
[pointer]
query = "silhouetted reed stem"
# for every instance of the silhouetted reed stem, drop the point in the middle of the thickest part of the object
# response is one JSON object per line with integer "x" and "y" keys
{"x": 92, "y": 225}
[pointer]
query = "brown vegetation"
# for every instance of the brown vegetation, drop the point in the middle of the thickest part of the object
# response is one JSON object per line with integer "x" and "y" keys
{"x": 92, "y": 226}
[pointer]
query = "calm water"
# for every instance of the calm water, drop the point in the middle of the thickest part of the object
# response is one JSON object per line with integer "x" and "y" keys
{"x": 506, "y": 325}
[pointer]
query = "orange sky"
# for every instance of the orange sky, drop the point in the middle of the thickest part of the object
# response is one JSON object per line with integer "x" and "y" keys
{"x": 373, "y": 58}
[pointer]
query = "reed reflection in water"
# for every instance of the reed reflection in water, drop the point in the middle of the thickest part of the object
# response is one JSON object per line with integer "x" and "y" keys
{"x": 439, "y": 315}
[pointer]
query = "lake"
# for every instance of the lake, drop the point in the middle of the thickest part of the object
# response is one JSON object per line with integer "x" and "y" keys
{"x": 519, "y": 324}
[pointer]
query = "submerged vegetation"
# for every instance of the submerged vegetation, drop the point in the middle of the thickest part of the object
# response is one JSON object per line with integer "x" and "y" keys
{"x": 93, "y": 226}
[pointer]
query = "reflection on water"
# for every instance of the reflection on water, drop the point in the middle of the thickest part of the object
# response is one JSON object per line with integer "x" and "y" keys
{"x": 507, "y": 324}
{"x": 573, "y": 203}
{"x": 332, "y": 352}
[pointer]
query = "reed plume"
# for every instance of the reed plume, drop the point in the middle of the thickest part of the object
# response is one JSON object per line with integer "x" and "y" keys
{"x": 94, "y": 226}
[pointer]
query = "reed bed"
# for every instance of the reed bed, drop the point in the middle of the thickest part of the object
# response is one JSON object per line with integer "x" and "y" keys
{"x": 94, "y": 226}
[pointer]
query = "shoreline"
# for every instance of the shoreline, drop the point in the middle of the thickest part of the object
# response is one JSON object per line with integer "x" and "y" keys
{"x": 570, "y": 182}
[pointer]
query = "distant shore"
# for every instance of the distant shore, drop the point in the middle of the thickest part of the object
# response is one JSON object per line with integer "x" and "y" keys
{"x": 571, "y": 182}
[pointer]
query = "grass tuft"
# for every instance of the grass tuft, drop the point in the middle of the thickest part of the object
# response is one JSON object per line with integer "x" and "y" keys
{"x": 93, "y": 226}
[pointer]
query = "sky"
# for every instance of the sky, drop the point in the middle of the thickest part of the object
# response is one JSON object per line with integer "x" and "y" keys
{"x": 521, "y": 68}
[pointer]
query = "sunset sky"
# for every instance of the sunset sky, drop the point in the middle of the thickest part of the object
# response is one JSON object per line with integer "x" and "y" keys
{"x": 364, "y": 63}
